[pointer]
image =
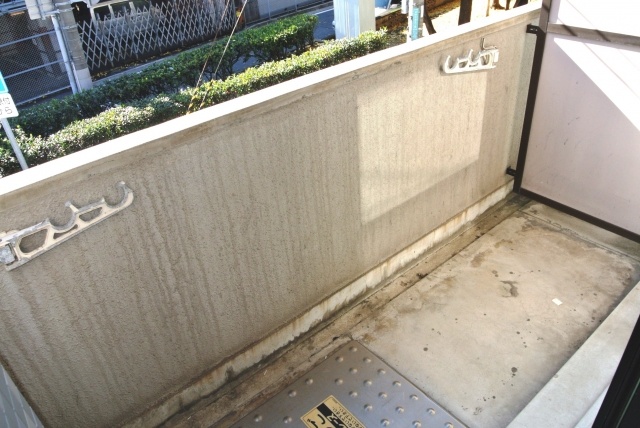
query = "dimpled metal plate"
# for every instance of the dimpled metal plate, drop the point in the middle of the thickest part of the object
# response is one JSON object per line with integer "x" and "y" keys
{"x": 374, "y": 393}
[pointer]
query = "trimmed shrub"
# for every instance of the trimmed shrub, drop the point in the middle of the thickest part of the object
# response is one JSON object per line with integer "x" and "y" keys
{"x": 267, "y": 43}
{"x": 268, "y": 74}
{"x": 113, "y": 123}
{"x": 275, "y": 42}
{"x": 121, "y": 120}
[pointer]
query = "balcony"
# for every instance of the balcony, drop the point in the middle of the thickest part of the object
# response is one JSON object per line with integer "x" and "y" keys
{"x": 517, "y": 320}
{"x": 368, "y": 202}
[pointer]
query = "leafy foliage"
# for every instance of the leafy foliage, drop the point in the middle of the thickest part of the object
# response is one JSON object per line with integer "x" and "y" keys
{"x": 123, "y": 119}
{"x": 267, "y": 43}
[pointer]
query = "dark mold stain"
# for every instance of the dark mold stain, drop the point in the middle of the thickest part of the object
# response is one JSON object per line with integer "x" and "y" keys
{"x": 510, "y": 288}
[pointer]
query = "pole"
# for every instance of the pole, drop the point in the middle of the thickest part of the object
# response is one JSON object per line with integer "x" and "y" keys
{"x": 14, "y": 143}
{"x": 409, "y": 11}
{"x": 69, "y": 29}
{"x": 465, "y": 12}
{"x": 65, "y": 55}
{"x": 415, "y": 20}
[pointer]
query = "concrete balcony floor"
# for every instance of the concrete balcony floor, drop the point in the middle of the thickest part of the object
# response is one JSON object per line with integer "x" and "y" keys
{"x": 519, "y": 319}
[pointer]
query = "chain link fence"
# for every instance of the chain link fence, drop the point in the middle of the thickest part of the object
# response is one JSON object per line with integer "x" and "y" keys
{"x": 30, "y": 57}
{"x": 120, "y": 33}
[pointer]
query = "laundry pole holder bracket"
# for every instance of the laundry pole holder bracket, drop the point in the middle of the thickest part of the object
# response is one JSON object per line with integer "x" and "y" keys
{"x": 13, "y": 255}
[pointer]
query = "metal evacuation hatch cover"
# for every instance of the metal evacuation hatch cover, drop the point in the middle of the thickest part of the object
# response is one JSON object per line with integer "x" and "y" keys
{"x": 351, "y": 389}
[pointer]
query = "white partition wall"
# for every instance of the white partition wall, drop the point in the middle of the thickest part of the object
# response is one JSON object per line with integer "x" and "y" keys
{"x": 616, "y": 16}
{"x": 584, "y": 146}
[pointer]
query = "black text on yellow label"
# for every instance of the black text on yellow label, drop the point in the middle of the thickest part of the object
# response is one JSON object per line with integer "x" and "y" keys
{"x": 331, "y": 414}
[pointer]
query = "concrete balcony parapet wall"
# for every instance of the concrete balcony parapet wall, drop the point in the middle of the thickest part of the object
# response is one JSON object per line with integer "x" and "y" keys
{"x": 246, "y": 216}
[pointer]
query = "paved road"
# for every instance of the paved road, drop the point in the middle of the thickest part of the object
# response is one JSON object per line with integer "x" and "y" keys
{"x": 325, "y": 29}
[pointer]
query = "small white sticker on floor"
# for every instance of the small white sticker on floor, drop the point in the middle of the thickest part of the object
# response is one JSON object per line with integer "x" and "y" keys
{"x": 331, "y": 414}
{"x": 557, "y": 301}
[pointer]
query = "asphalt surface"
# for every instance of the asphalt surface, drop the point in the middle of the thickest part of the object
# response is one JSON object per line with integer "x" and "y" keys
{"x": 325, "y": 29}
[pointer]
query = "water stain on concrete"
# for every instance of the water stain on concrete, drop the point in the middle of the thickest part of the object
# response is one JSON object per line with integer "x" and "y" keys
{"x": 509, "y": 289}
{"x": 384, "y": 324}
{"x": 479, "y": 258}
{"x": 528, "y": 226}
{"x": 410, "y": 306}
{"x": 367, "y": 338}
{"x": 502, "y": 242}
{"x": 441, "y": 289}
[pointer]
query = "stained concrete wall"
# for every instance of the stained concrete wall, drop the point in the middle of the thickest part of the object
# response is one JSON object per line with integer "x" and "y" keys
{"x": 245, "y": 215}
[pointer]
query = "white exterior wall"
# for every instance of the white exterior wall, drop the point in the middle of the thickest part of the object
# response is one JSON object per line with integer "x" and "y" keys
{"x": 584, "y": 146}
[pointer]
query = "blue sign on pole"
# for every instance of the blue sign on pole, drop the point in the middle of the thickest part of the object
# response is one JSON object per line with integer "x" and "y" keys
{"x": 415, "y": 23}
{"x": 3, "y": 86}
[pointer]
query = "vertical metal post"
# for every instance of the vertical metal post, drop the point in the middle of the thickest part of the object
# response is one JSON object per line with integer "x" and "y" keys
{"x": 14, "y": 143}
{"x": 415, "y": 21}
{"x": 65, "y": 55}
{"x": 536, "y": 67}
{"x": 407, "y": 7}
{"x": 69, "y": 29}
{"x": 465, "y": 12}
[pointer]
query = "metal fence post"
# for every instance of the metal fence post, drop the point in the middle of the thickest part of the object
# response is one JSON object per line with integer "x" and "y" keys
{"x": 65, "y": 55}
{"x": 74, "y": 44}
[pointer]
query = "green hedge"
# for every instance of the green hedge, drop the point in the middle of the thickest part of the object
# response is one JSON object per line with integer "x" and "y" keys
{"x": 267, "y": 43}
{"x": 125, "y": 119}
{"x": 268, "y": 74}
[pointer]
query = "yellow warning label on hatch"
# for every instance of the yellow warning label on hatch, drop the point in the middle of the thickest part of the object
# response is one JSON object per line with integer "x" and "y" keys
{"x": 331, "y": 414}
